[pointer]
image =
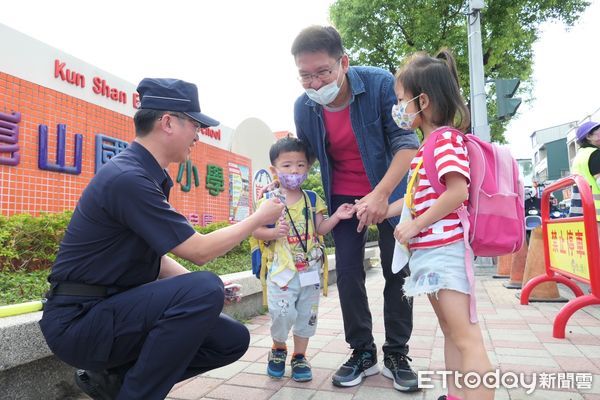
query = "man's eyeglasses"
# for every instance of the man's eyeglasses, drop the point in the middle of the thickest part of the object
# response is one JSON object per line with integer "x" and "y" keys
{"x": 323, "y": 75}
{"x": 195, "y": 123}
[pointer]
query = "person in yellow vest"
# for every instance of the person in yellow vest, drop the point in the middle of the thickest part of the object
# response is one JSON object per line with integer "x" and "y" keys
{"x": 587, "y": 164}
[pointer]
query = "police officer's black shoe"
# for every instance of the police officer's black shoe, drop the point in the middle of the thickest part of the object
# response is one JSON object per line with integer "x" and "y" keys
{"x": 362, "y": 363}
{"x": 98, "y": 385}
{"x": 396, "y": 367}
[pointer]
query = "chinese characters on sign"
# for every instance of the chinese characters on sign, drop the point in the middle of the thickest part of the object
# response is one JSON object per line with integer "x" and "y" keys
{"x": 207, "y": 219}
{"x": 189, "y": 169}
{"x": 106, "y": 148}
{"x": 61, "y": 144}
{"x": 9, "y": 138}
{"x": 568, "y": 249}
{"x": 194, "y": 219}
{"x": 215, "y": 183}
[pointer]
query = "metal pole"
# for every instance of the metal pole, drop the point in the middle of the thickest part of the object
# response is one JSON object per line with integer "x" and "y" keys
{"x": 479, "y": 121}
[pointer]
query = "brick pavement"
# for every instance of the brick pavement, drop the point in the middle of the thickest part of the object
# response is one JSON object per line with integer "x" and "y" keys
{"x": 518, "y": 339}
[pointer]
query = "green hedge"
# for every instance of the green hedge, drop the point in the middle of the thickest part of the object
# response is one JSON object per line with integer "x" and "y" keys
{"x": 30, "y": 243}
{"x": 28, "y": 247}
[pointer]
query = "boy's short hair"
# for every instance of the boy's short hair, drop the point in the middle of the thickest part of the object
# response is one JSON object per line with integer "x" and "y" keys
{"x": 289, "y": 144}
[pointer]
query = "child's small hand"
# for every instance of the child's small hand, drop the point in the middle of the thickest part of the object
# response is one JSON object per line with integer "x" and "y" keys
{"x": 345, "y": 211}
{"x": 282, "y": 228}
{"x": 405, "y": 231}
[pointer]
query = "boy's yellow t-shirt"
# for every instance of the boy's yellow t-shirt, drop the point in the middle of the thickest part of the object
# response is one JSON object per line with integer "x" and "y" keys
{"x": 297, "y": 211}
{"x": 287, "y": 249}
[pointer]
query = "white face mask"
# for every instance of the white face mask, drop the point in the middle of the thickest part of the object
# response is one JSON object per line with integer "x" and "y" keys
{"x": 404, "y": 119}
{"x": 327, "y": 93}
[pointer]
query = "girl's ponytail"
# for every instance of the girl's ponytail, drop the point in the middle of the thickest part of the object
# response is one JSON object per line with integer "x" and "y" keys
{"x": 445, "y": 55}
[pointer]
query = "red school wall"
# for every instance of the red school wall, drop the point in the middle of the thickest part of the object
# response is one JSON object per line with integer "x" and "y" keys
{"x": 25, "y": 188}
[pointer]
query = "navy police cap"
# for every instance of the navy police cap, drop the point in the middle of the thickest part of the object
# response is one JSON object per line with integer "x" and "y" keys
{"x": 173, "y": 95}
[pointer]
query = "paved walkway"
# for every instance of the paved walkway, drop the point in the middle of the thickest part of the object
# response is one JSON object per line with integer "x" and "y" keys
{"x": 518, "y": 339}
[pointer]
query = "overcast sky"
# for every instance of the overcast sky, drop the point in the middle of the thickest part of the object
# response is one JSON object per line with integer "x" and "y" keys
{"x": 566, "y": 75}
{"x": 238, "y": 53}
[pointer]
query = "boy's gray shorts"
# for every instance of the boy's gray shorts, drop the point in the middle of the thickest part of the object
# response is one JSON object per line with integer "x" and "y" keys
{"x": 293, "y": 306}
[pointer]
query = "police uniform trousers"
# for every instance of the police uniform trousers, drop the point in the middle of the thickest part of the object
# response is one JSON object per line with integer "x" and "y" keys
{"x": 153, "y": 335}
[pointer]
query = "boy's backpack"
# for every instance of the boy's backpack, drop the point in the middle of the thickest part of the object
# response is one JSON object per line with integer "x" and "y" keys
{"x": 262, "y": 254}
{"x": 494, "y": 218}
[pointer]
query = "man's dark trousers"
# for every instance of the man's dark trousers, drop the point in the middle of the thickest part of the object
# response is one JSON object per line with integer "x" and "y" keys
{"x": 349, "y": 256}
{"x": 154, "y": 335}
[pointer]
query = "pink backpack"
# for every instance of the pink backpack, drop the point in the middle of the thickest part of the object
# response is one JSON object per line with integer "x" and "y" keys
{"x": 494, "y": 220}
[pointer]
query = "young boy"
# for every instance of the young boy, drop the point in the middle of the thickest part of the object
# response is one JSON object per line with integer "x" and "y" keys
{"x": 293, "y": 275}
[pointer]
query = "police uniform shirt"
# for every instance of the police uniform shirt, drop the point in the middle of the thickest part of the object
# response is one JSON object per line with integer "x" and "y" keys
{"x": 122, "y": 225}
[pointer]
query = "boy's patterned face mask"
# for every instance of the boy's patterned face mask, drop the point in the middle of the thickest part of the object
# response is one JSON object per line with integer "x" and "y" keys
{"x": 404, "y": 119}
{"x": 291, "y": 181}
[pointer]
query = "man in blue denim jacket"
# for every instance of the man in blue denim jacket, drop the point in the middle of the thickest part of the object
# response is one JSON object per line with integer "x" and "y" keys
{"x": 345, "y": 118}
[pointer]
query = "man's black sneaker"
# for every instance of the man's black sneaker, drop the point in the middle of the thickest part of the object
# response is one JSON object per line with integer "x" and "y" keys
{"x": 98, "y": 385}
{"x": 362, "y": 363}
{"x": 443, "y": 397}
{"x": 396, "y": 367}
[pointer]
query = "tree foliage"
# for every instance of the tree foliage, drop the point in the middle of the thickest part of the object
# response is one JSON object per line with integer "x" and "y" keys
{"x": 384, "y": 32}
{"x": 313, "y": 180}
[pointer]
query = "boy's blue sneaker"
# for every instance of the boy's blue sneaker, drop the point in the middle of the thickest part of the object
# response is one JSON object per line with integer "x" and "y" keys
{"x": 276, "y": 365}
{"x": 301, "y": 371}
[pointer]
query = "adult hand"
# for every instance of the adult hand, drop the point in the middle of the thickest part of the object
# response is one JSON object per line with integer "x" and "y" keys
{"x": 270, "y": 186}
{"x": 269, "y": 211}
{"x": 372, "y": 208}
{"x": 406, "y": 230}
{"x": 359, "y": 209}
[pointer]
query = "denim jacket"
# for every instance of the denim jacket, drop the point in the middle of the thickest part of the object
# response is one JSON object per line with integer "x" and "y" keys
{"x": 377, "y": 135}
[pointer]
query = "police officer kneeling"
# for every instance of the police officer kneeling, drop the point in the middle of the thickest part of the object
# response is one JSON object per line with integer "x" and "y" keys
{"x": 133, "y": 319}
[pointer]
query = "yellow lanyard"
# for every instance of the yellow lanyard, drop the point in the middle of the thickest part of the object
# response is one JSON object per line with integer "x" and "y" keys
{"x": 409, "y": 197}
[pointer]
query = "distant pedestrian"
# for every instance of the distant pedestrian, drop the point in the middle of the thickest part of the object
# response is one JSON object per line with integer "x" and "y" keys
{"x": 587, "y": 164}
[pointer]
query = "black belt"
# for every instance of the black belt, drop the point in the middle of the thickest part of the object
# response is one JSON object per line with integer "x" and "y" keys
{"x": 82, "y": 289}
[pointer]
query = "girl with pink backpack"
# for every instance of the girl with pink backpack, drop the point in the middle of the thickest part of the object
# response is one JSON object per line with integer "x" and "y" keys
{"x": 432, "y": 225}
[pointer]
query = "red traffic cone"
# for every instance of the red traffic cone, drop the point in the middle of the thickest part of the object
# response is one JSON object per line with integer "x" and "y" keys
{"x": 536, "y": 266}
{"x": 503, "y": 267}
{"x": 517, "y": 268}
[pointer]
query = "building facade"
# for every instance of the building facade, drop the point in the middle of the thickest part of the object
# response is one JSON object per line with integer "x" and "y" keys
{"x": 550, "y": 155}
{"x": 62, "y": 119}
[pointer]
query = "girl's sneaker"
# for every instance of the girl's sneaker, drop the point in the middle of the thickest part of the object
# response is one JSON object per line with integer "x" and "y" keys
{"x": 276, "y": 365}
{"x": 301, "y": 371}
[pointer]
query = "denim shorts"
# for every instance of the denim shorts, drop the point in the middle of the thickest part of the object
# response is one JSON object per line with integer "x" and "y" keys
{"x": 437, "y": 268}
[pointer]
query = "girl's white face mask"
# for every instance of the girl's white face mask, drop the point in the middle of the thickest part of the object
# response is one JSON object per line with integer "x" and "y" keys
{"x": 404, "y": 119}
